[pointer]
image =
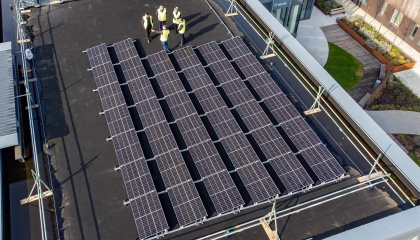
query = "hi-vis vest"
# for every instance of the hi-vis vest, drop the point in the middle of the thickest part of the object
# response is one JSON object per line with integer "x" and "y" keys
{"x": 175, "y": 20}
{"x": 184, "y": 26}
{"x": 164, "y": 35}
{"x": 147, "y": 22}
{"x": 162, "y": 15}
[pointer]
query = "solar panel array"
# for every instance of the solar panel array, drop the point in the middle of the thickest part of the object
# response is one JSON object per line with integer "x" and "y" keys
{"x": 146, "y": 207}
{"x": 182, "y": 192}
{"x": 303, "y": 137}
{"x": 224, "y": 194}
{"x": 220, "y": 186}
{"x": 285, "y": 164}
{"x": 256, "y": 179}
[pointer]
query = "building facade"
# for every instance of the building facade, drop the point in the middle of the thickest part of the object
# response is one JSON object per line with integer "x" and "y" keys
{"x": 290, "y": 12}
{"x": 402, "y": 17}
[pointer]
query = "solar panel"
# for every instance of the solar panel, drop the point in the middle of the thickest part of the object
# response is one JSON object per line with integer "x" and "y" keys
{"x": 137, "y": 179}
{"x": 252, "y": 115}
{"x": 223, "y": 192}
{"x": 211, "y": 52}
{"x": 186, "y": 203}
{"x": 111, "y": 96}
{"x": 127, "y": 147}
{"x": 259, "y": 184}
{"x": 281, "y": 108}
{"x": 148, "y": 215}
{"x": 150, "y": 112}
{"x": 249, "y": 65}
{"x": 224, "y": 72}
{"x": 159, "y": 62}
{"x": 192, "y": 130}
{"x": 237, "y": 92}
{"x": 140, "y": 90}
{"x": 322, "y": 163}
{"x": 300, "y": 133}
{"x": 98, "y": 55}
{"x": 186, "y": 58}
{"x": 291, "y": 172}
{"x": 197, "y": 77}
{"x": 264, "y": 85}
{"x": 270, "y": 141}
{"x": 172, "y": 168}
{"x": 180, "y": 105}
{"x": 160, "y": 138}
{"x": 104, "y": 74}
{"x": 239, "y": 150}
{"x": 209, "y": 98}
{"x": 170, "y": 83}
{"x": 236, "y": 47}
{"x": 223, "y": 122}
{"x": 206, "y": 158}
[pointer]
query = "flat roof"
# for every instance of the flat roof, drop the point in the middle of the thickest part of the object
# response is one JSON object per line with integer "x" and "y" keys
{"x": 89, "y": 192}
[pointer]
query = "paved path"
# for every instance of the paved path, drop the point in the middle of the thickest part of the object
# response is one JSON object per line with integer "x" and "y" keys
{"x": 397, "y": 121}
{"x": 370, "y": 64}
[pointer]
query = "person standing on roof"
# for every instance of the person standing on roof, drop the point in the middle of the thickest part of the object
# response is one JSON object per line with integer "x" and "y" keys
{"x": 181, "y": 29}
{"x": 164, "y": 38}
{"x": 148, "y": 25}
{"x": 176, "y": 16}
{"x": 161, "y": 14}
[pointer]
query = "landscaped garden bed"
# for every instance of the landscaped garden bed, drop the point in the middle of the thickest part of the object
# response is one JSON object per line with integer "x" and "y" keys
{"x": 329, "y": 7}
{"x": 375, "y": 43}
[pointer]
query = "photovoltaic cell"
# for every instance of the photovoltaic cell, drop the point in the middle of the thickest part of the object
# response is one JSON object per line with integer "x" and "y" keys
{"x": 186, "y": 58}
{"x": 206, "y": 158}
{"x": 140, "y": 90}
{"x": 322, "y": 163}
{"x": 237, "y": 92}
{"x": 197, "y": 77}
{"x": 259, "y": 184}
{"x": 281, "y": 108}
{"x": 172, "y": 168}
{"x": 209, "y": 98}
{"x": 211, "y": 52}
{"x": 160, "y": 138}
{"x": 150, "y": 112}
{"x": 159, "y": 62}
{"x": 186, "y": 203}
{"x": 300, "y": 133}
{"x": 111, "y": 96}
{"x": 270, "y": 141}
{"x": 223, "y": 122}
{"x": 264, "y": 85}
{"x": 249, "y": 65}
{"x": 192, "y": 130}
{"x": 104, "y": 74}
{"x": 170, "y": 83}
{"x": 252, "y": 115}
{"x": 236, "y": 47}
{"x": 239, "y": 150}
{"x": 98, "y": 55}
{"x": 180, "y": 105}
{"x": 224, "y": 72}
{"x": 223, "y": 192}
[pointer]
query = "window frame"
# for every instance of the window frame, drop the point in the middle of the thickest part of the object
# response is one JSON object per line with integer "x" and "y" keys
{"x": 414, "y": 31}
{"x": 396, "y": 17}
{"x": 383, "y": 8}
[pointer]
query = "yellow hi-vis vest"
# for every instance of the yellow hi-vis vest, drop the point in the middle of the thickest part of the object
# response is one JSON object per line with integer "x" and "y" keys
{"x": 162, "y": 15}
{"x": 175, "y": 20}
{"x": 145, "y": 23}
{"x": 164, "y": 35}
{"x": 184, "y": 26}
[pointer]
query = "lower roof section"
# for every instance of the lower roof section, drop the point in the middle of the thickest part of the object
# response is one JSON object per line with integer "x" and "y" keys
{"x": 391, "y": 228}
{"x": 8, "y": 127}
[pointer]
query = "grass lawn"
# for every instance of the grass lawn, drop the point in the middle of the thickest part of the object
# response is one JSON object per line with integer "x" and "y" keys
{"x": 412, "y": 144}
{"x": 343, "y": 67}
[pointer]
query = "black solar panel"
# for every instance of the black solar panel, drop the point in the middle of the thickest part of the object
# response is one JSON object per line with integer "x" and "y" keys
{"x": 148, "y": 215}
{"x": 259, "y": 184}
{"x": 281, "y": 108}
{"x": 141, "y": 90}
{"x": 111, "y": 96}
{"x": 322, "y": 163}
{"x": 239, "y": 150}
{"x": 186, "y": 58}
{"x": 150, "y": 112}
{"x": 172, "y": 168}
{"x": 98, "y": 55}
{"x": 170, "y": 83}
{"x": 137, "y": 179}
{"x": 237, "y": 92}
{"x": 223, "y": 192}
{"x": 209, "y": 98}
{"x": 223, "y": 122}
{"x": 192, "y": 130}
{"x": 197, "y": 77}
{"x": 159, "y": 62}
{"x": 186, "y": 203}
{"x": 127, "y": 147}
{"x": 224, "y": 72}
{"x": 236, "y": 47}
{"x": 291, "y": 172}
{"x": 264, "y": 85}
{"x": 211, "y": 52}
{"x": 252, "y": 115}
{"x": 249, "y": 65}
{"x": 160, "y": 138}
{"x": 180, "y": 105}
{"x": 300, "y": 133}
{"x": 206, "y": 158}
{"x": 104, "y": 74}
{"x": 270, "y": 141}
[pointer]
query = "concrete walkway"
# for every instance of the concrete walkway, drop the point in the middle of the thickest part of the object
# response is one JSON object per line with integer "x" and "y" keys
{"x": 410, "y": 77}
{"x": 371, "y": 65}
{"x": 397, "y": 121}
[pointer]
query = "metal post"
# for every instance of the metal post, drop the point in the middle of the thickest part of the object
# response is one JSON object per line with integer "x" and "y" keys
{"x": 374, "y": 165}
{"x": 270, "y": 43}
{"x": 232, "y": 10}
{"x": 316, "y": 105}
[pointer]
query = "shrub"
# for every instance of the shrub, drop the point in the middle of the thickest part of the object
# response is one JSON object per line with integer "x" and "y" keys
{"x": 370, "y": 43}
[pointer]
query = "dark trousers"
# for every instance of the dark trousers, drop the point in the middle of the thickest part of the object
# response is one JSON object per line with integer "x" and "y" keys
{"x": 176, "y": 28}
{"x": 161, "y": 23}
{"x": 181, "y": 35}
{"x": 148, "y": 32}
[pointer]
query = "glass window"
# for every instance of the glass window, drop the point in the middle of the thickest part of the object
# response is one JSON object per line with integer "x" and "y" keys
{"x": 396, "y": 18}
{"x": 383, "y": 8}
{"x": 414, "y": 32}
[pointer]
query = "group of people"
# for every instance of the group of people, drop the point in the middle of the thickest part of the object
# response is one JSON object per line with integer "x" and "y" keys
{"x": 178, "y": 23}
